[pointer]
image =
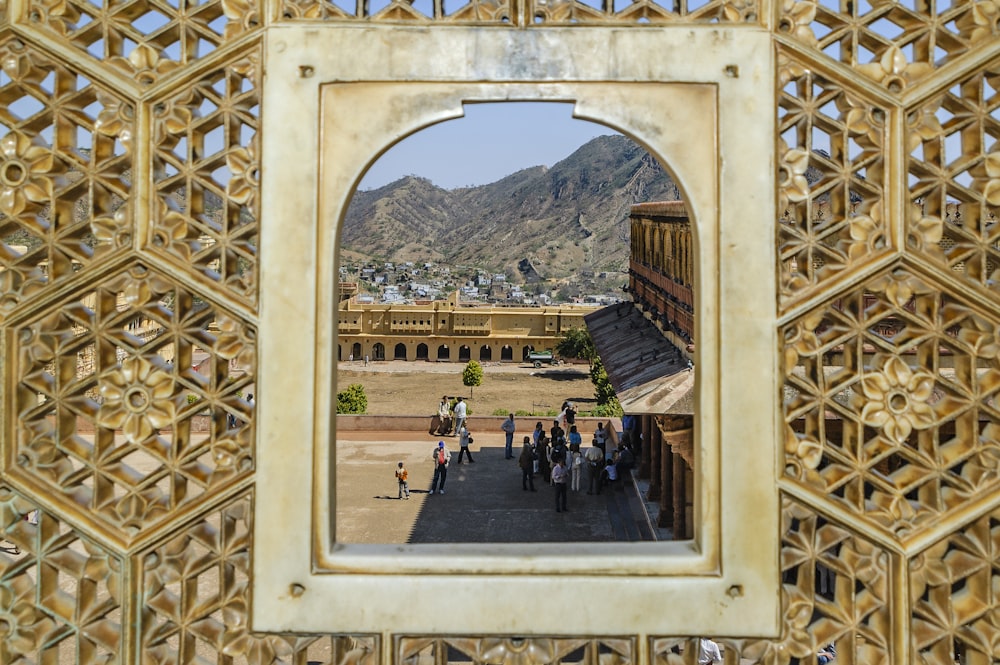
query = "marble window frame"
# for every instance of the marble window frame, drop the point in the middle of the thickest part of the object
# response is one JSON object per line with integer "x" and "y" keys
{"x": 336, "y": 98}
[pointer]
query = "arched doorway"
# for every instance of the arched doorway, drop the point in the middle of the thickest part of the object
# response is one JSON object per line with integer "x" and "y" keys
{"x": 356, "y": 351}
{"x": 444, "y": 353}
{"x": 506, "y": 353}
{"x": 340, "y": 352}
{"x": 527, "y": 350}
{"x": 486, "y": 353}
{"x": 464, "y": 353}
{"x": 421, "y": 351}
{"x": 399, "y": 353}
{"x": 378, "y": 351}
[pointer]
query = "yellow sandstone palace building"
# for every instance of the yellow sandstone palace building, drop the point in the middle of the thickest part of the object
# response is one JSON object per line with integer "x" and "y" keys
{"x": 449, "y": 331}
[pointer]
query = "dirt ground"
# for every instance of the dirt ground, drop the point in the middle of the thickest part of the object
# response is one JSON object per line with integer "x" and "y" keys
{"x": 415, "y": 388}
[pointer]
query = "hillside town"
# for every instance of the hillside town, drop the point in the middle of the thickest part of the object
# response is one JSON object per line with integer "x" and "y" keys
{"x": 374, "y": 282}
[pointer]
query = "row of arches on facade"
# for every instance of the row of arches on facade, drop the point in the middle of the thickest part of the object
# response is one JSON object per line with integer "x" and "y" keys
{"x": 423, "y": 351}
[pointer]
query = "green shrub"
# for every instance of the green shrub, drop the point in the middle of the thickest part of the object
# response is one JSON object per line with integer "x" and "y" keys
{"x": 352, "y": 400}
{"x": 472, "y": 375}
{"x": 502, "y": 412}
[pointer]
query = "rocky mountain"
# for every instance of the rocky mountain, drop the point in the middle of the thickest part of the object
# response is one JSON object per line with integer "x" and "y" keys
{"x": 559, "y": 224}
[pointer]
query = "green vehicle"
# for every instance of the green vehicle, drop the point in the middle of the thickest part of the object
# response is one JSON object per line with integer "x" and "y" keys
{"x": 537, "y": 358}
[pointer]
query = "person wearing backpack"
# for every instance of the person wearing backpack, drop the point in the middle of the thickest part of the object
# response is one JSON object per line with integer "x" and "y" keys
{"x": 441, "y": 458}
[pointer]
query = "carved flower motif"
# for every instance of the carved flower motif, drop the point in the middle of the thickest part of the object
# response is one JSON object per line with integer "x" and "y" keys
{"x": 862, "y": 119}
{"x": 510, "y": 651}
{"x": 796, "y": 21}
{"x": 806, "y": 450}
{"x": 171, "y": 233}
{"x": 923, "y": 125}
{"x": 929, "y": 569}
{"x": 241, "y": 16}
{"x": 17, "y": 623}
{"x": 240, "y": 642}
{"x": 795, "y": 626}
{"x": 801, "y": 340}
{"x": 899, "y": 286}
{"x": 142, "y": 286}
{"x": 145, "y": 64}
{"x": 114, "y": 230}
{"x": 116, "y": 119}
{"x": 991, "y": 183}
{"x": 867, "y": 234}
{"x": 233, "y": 341}
{"x": 26, "y": 170}
{"x": 893, "y": 71}
{"x": 895, "y": 399}
{"x": 231, "y": 455}
{"x": 244, "y": 182}
{"x": 792, "y": 181}
{"x": 980, "y": 24}
{"x": 138, "y": 398}
{"x": 925, "y": 233}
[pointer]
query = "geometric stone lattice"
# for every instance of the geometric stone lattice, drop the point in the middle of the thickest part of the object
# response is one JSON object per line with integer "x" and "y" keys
{"x": 835, "y": 591}
{"x": 195, "y": 589}
{"x": 891, "y": 404}
{"x": 954, "y": 593}
{"x": 516, "y": 651}
{"x": 894, "y": 43}
{"x": 60, "y": 593}
{"x": 954, "y": 179}
{"x": 206, "y": 170}
{"x": 144, "y": 39}
{"x": 65, "y": 157}
{"x": 129, "y": 401}
{"x": 831, "y": 176}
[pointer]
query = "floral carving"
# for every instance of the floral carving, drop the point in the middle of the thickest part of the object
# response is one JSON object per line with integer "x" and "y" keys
{"x": 245, "y": 180}
{"x": 991, "y": 181}
{"x": 866, "y": 234}
{"x": 523, "y": 651}
{"x": 893, "y": 71}
{"x": 27, "y": 173}
{"x": 146, "y": 64}
{"x": 796, "y": 20}
{"x": 116, "y": 119}
{"x": 792, "y": 181}
{"x": 980, "y": 24}
{"x": 18, "y": 622}
{"x": 895, "y": 398}
{"x": 113, "y": 230}
{"x": 139, "y": 398}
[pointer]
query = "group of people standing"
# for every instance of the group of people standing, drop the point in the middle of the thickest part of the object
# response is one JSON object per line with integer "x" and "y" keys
{"x": 450, "y": 417}
{"x": 558, "y": 458}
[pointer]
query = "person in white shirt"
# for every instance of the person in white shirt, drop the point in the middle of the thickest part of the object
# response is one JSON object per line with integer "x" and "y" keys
{"x": 709, "y": 652}
{"x": 508, "y": 428}
{"x": 459, "y": 413}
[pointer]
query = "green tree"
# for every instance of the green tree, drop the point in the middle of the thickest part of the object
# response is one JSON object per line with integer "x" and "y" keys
{"x": 607, "y": 401}
{"x": 472, "y": 375}
{"x": 352, "y": 400}
{"x": 576, "y": 343}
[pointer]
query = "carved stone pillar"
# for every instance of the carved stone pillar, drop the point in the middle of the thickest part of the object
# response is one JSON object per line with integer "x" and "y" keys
{"x": 651, "y": 463}
{"x": 679, "y": 498}
{"x": 666, "y": 517}
{"x": 650, "y": 440}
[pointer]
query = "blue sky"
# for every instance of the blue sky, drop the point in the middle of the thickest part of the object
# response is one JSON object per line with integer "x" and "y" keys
{"x": 490, "y": 142}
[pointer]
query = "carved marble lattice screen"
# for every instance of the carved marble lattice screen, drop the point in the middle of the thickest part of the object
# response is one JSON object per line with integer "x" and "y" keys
{"x": 123, "y": 125}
